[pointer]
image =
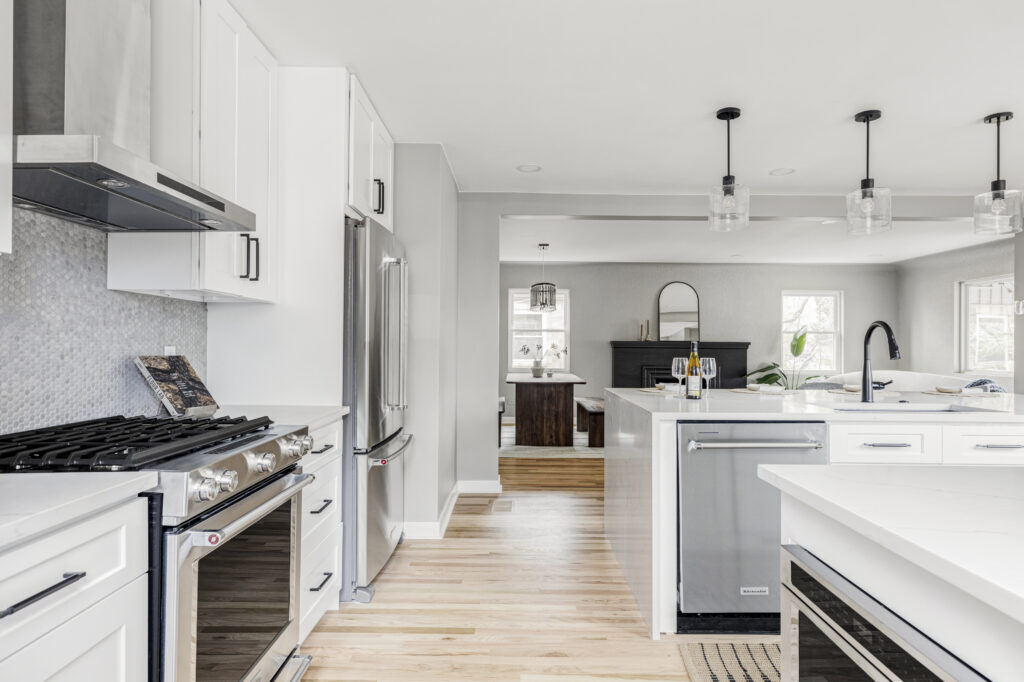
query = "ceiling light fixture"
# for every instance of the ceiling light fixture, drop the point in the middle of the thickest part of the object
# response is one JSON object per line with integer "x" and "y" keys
{"x": 781, "y": 171}
{"x": 729, "y": 207}
{"x": 542, "y": 294}
{"x": 528, "y": 168}
{"x": 112, "y": 183}
{"x": 868, "y": 209}
{"x": 998, "y": 211}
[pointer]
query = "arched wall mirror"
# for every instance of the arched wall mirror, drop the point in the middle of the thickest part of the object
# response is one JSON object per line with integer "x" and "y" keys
{"x": 678, "y": 313}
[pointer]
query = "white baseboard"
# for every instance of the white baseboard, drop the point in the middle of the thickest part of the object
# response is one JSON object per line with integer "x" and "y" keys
{"x": 432, "y": 530}
{"x": 480, "y": 487}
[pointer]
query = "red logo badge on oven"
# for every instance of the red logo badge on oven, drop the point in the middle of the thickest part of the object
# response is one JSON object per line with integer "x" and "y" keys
{"x": 213, "y": 539}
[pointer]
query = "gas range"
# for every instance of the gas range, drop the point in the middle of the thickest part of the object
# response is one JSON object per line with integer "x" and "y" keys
{"x": 200, "y": 462}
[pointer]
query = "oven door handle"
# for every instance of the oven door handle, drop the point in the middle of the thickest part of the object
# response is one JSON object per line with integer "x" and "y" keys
{"x": 212, "y": 538}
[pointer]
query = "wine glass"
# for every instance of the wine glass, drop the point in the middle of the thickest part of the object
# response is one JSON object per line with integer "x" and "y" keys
{"x": 679, "y": 372}
{"x": 709, "y": 368}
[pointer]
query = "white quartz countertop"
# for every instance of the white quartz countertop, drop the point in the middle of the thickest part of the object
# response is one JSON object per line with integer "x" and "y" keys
{"x": 313, "y": 416}
{"x": 728, "y": 404}
{"x": 32, "y": 504}
{"x": 556, "y": 378}
{"x": 963, "y": 524}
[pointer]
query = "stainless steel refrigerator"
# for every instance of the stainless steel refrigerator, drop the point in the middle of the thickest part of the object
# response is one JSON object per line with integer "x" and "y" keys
{"x": 376, "y": 341}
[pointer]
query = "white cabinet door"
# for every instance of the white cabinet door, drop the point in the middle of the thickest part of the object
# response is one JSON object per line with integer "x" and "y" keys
{"x": 371, "y": 159}
{"x": 975, "y": 444}
{"x": 885, "y": 444}
{"x": 238, "y": 150}
{"x": 107, "y": 642}
{"x": 362, "y": 194}
{"x": 6, "y": 121}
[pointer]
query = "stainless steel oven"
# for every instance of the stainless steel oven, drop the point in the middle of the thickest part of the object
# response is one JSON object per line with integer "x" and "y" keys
{"x": 833, "y": 631}
{"x": 231, "y": 587}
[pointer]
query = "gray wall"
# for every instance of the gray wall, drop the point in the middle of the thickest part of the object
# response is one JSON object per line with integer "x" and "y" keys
{"x": 737, "y": 303}
{"x": 927, "y": 290}
{"x": 67, "y": 344}
{"x": 426, "y": 221}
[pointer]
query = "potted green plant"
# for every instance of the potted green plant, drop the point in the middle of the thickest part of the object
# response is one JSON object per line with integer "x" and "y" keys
{"x": 773, "y": 374}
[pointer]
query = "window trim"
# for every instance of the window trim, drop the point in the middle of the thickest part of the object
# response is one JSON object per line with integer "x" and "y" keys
{"x": 840, "y": 331}
{"x": 510, "y": 329}
{"x": 960, "y": 344}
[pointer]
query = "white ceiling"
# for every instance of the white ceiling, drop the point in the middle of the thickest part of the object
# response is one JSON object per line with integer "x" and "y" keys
{"x": 660, "y": 241}
{"x": 618, "y": 96}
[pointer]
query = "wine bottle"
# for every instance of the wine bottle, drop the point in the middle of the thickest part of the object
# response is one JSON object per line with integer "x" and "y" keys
{"x": 693, "y": 374}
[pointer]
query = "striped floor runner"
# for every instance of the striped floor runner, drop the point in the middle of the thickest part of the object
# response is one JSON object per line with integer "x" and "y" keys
{"x": 727, "y": 662}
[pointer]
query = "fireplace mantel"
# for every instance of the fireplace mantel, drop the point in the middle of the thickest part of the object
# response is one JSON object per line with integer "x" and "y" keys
{"x": 638, "y": 364}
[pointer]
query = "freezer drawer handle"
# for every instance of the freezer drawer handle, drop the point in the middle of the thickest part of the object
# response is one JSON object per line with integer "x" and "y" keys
{"x": 887, "y": 445}
{"x": 329, "y": 446}
{"x": 999, "y": 446}
{"x": 327, "y": 579}
{"x": 754, "y": 445}
{"x": 68, "y": 580}
{"x": 327, "y": 503}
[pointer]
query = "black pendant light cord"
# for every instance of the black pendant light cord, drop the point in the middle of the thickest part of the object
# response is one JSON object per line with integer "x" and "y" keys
{"x": 728, "y": 147}
{"x": 867, "y": 151}
{"x": 999, "y": 145}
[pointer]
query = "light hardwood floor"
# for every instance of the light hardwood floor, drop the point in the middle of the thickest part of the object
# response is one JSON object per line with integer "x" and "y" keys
{"x": 523, "y": 587}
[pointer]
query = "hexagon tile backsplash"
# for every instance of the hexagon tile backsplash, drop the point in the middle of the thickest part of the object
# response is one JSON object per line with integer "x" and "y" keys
{"x": 67, "y": 343}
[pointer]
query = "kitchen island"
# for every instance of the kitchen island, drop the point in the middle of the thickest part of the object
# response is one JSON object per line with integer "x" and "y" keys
{"x": 544, "y": 408}
{"x": 641, "y": 459}
{"x": 941, "y": 547}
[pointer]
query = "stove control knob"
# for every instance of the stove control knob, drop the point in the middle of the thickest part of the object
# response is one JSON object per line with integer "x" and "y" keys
{"x": 294, "y": 448}
{"x": 307, "y": 444}
{"x": 227, "y": 480}
{"x": 264, "y": 463}
{"x": 205, "y": 490}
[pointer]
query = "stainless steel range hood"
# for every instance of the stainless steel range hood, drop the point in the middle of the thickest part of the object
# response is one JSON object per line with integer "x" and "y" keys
{"x": 82, "y": 121}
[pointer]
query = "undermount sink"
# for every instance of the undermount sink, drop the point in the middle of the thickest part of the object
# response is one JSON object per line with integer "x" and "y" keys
{"x": 902, "y": 407}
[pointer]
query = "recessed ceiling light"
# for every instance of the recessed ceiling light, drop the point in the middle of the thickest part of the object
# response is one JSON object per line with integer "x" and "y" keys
{"x": 528, "y": 168}
{"x": 209, "y": 222}
{"x": 735, "y": 255}
{"x": 782, "y": 171}
{"x": 830, "y": 221}
{"x": 112, "y": 183}
{"x": 874, "y": 255}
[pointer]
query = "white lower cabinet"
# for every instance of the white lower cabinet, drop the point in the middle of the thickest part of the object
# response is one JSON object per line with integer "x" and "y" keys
{"x": 983, "y": 444}
{"x": 107, "y": 641}
{"x": 958, "y": 444}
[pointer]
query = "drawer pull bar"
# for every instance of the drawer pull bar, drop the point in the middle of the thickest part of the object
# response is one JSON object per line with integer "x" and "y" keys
{"x": 998, "y": 446}
{"x": 887, "y": 445}
{"x": 327, "y": 503}
{"x": 69, "y": 579}
{"x": 327, "y": 579}
{"x": 329, "y": 446}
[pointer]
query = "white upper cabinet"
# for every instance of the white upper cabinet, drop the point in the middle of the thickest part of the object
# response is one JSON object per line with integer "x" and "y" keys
{"x": 215, "y": 121}
{"x": 371, "y": 160}
{"x": 6, "y": 122}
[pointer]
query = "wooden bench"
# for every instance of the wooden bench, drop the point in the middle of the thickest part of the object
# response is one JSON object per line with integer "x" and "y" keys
{"x": 590, "y": 420}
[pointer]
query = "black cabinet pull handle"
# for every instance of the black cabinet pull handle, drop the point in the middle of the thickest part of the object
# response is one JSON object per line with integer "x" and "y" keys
{"x": 329, "y": 446}
{"x": 256, "y": 241}
{"x": 327, "y": 579}
{"x": 248, "y": 257}
{"x": 327, "y": 503}
{"x": 69, "y": 579}
{"x": 380, "y": 196}
{"x": 383, "y": 194}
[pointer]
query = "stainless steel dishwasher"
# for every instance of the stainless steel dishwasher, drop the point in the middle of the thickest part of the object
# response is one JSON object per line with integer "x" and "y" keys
{"x": 729, "y": 528}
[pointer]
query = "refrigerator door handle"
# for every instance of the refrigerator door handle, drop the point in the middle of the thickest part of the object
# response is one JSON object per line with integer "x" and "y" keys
{"x": 403, "y": 339}
{"x": 391, "y": 401}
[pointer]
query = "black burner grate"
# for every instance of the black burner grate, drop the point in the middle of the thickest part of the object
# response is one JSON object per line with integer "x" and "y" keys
{"x": 117, "y": 443}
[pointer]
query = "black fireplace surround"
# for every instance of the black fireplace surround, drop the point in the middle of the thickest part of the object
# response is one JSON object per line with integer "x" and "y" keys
{"x": 641, "y": 364}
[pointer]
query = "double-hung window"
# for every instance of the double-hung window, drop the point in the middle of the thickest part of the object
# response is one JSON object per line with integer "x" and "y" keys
{"x": 528, "y": 329}
{"x": 821, "y": 313}
{"x": 986, "y": 325}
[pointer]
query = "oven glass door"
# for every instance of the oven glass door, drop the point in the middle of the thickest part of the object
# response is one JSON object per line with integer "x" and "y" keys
{"x": 243, "y": 597}
{"x": 822, "y": 659}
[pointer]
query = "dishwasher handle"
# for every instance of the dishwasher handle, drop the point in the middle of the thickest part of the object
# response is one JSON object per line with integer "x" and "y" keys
{"x": 754, "y": 445}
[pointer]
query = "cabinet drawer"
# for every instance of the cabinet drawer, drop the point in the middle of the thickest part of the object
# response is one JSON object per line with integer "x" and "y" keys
{"x": 983, "y": 444}
{"x": 109, "y": 548}
{"x": 885, "y": 444}
{"x": 321, "y": 500}
{"x": 319, "y": 584}
{"x": 326, "y": 447}
{"x": 107, "y": 641}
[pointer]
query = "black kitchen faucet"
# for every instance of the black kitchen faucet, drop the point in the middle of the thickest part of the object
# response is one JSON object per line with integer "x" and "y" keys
{"x": 866, "y": 382}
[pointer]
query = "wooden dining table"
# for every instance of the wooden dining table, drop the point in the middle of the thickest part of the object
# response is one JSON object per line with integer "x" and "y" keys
{"x": 544, "y": 408}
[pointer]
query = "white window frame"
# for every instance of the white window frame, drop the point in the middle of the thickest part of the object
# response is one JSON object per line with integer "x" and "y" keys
{"x": 512, "y": 351}
{"x": 840, "y": 331}
{"x": 960, "y": 307}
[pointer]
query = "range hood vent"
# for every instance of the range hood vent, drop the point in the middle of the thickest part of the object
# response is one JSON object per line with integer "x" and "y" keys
{"x": 82, "y": 123}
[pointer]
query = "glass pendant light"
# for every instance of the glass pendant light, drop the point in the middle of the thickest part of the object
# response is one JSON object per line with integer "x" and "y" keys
{"x": 869, "y": 209}
{"x": 729, "y": 203}
{"x": 998, "y": 211}
{"x": 542, "y": 294}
